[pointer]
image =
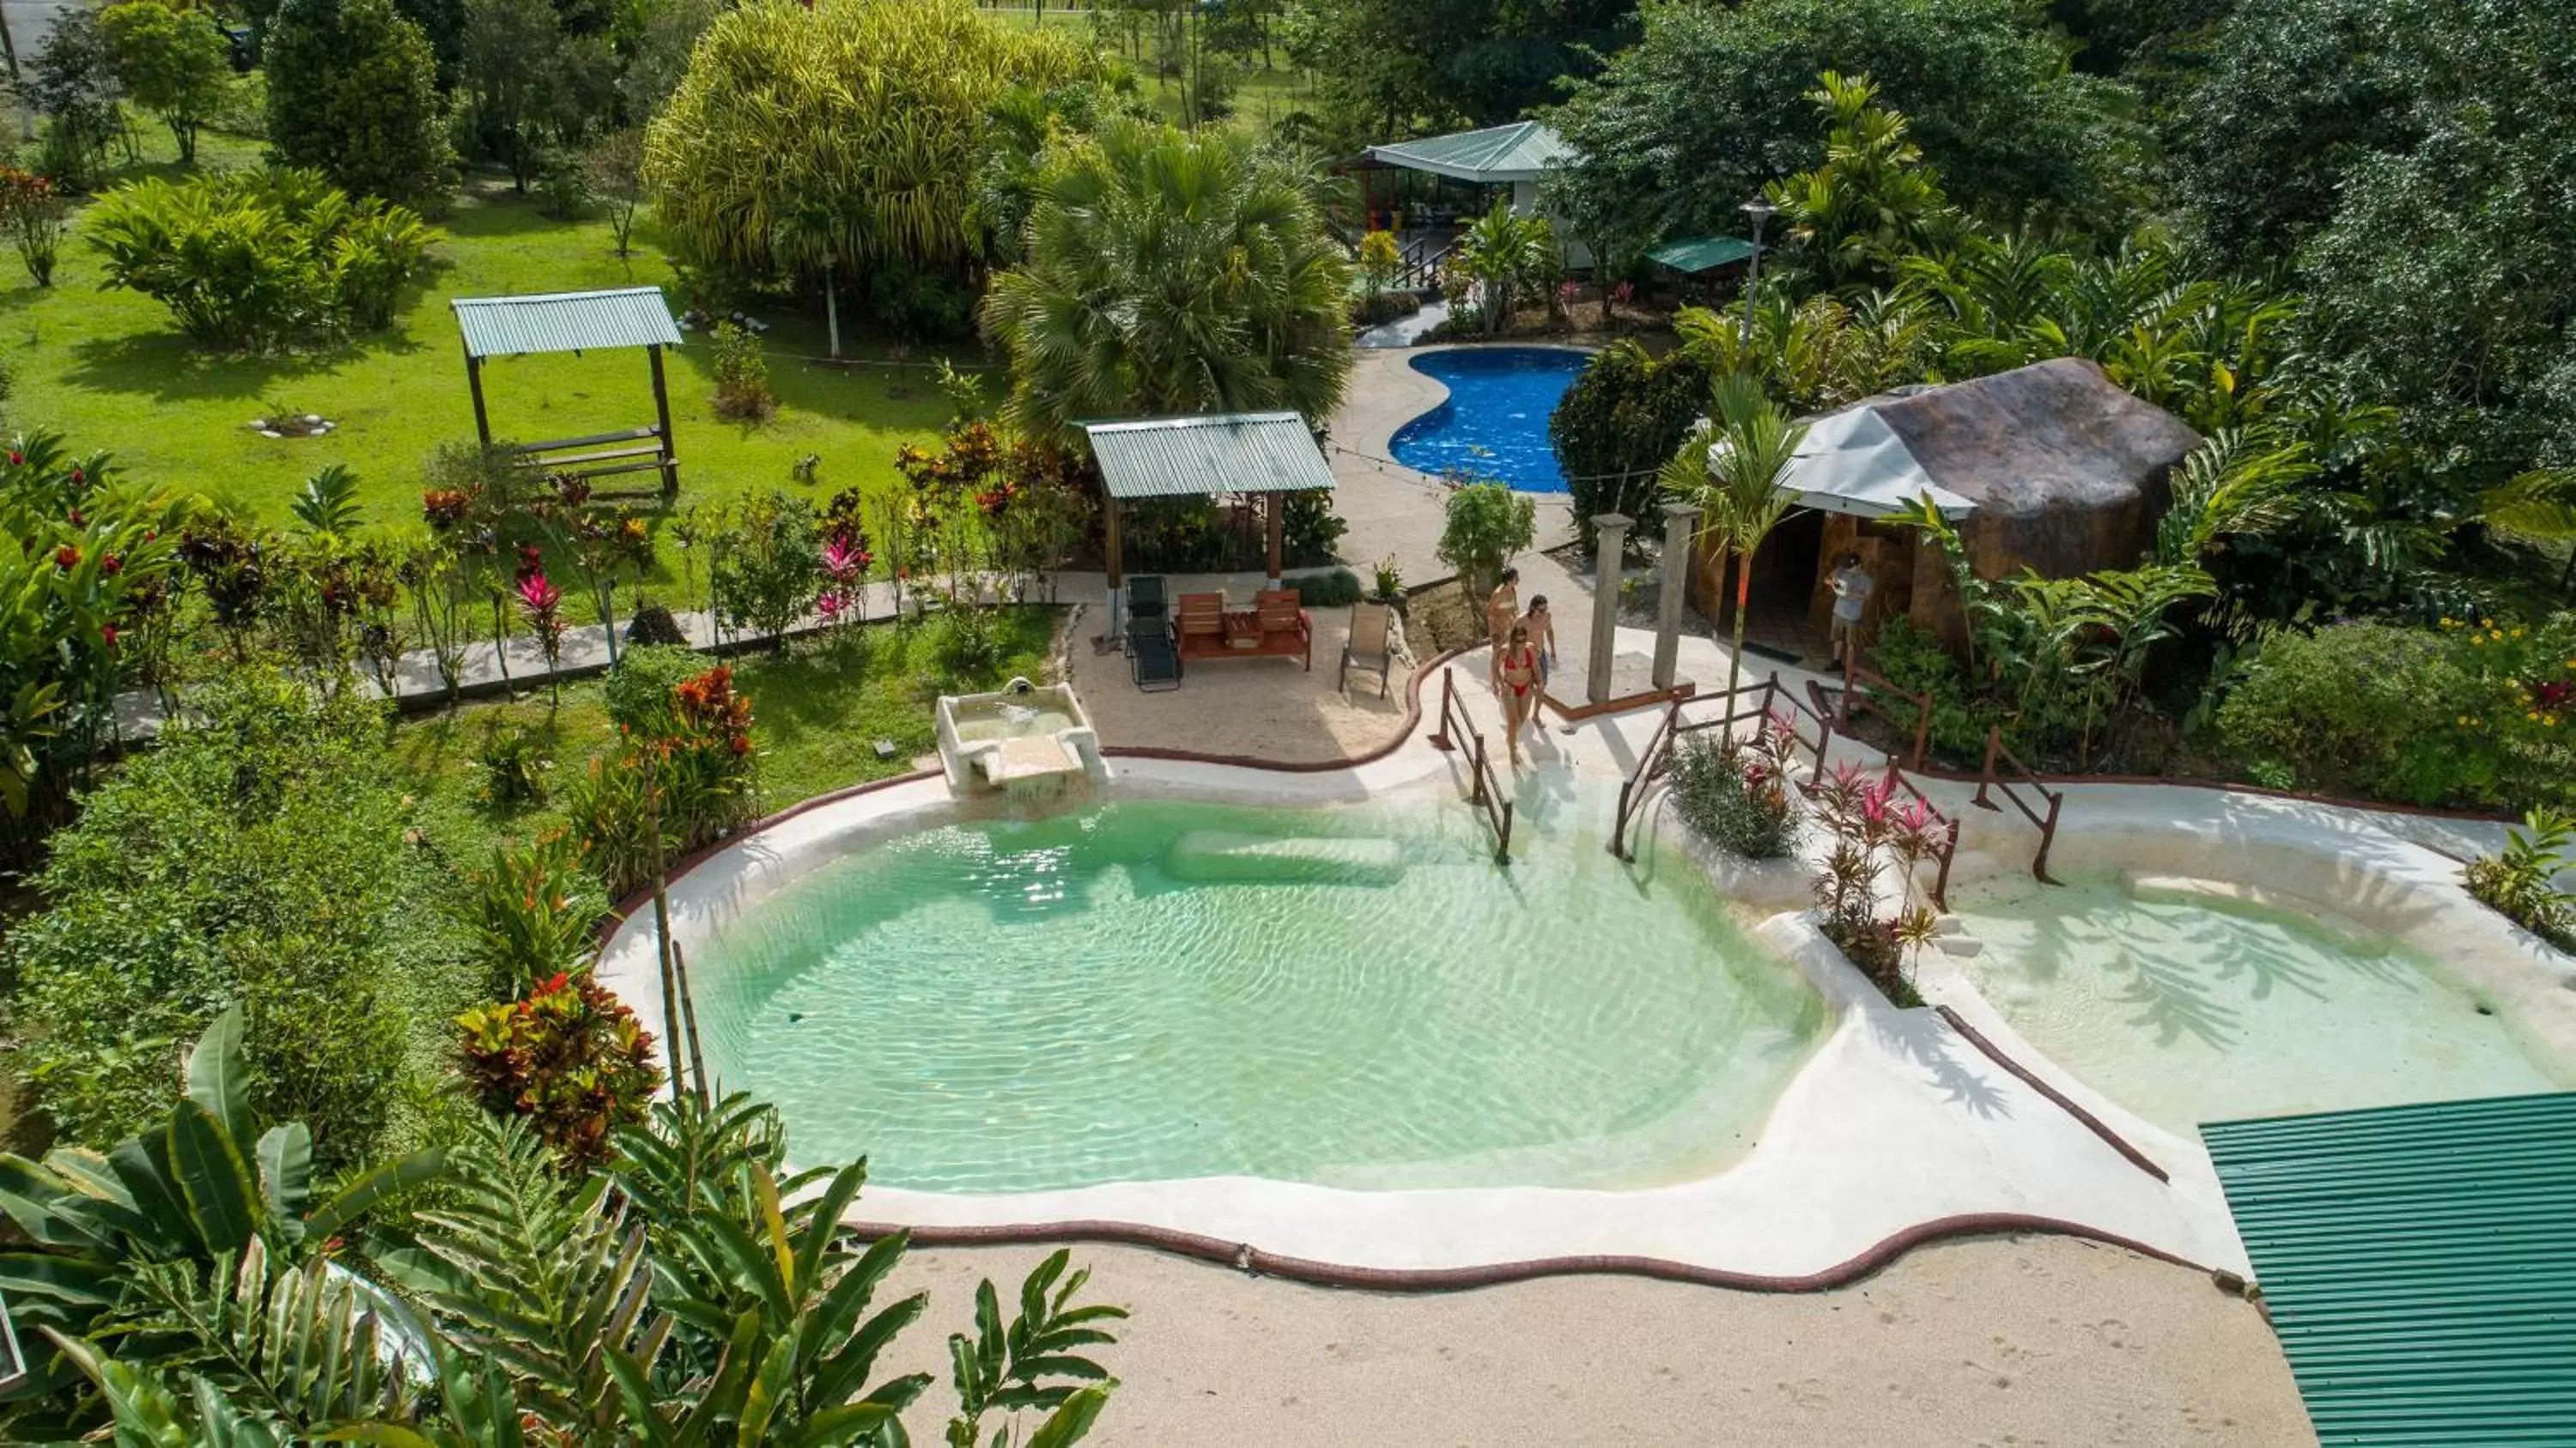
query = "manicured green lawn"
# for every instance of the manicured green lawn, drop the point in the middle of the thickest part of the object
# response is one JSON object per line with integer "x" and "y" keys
{"x": 108, "y": 368}
{"x": 817, "y": 711}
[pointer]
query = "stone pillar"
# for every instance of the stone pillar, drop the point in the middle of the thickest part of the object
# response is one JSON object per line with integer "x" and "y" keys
{"x": 1611, "y": 544}
{"x": 1681, "y": 526}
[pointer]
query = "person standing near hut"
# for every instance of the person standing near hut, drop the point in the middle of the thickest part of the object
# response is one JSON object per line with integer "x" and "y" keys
{"x": 1852, "y": 585}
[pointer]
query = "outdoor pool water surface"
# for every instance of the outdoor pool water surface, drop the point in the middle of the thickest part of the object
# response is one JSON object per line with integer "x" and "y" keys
{"x": 1494, "y": 424}
{"x": 1355, "y": 995}
{"x": 2187, "y": 1006}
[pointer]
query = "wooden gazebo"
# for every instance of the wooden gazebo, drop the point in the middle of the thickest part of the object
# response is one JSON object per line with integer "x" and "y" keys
{"x": 578, "y": 322}
{"x": 1268, "y": 453}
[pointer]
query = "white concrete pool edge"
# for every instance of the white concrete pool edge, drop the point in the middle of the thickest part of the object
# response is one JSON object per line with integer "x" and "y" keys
{"x": 1895, "y": 1122}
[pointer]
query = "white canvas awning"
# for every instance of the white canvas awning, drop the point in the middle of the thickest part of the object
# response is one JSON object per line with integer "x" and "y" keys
{"x": 1852, "y": 462}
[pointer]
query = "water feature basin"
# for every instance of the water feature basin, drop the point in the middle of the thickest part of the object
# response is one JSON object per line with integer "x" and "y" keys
{"x": 1026, "y": 739}
{"x": 1493, "y": 425}
{"x": 1350, "y": 995}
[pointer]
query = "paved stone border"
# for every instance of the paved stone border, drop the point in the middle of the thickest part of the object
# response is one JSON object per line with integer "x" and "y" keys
{"x": 1245, "y": 1257}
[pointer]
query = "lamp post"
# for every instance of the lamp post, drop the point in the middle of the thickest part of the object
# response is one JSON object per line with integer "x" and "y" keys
{"x": 1760, "y": 210}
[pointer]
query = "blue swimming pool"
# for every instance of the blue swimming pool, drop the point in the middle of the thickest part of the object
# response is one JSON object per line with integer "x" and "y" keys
{"x": 1494, "y": 425}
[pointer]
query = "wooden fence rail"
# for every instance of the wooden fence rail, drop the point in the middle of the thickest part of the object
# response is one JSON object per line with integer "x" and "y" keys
{"x": 1989, "y": 780}
{"x": 1483, "y": 789}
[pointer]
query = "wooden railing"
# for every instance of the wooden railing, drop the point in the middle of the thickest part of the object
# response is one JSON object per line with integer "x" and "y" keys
{"x": 1425, "y": 263}
{"x": 1859, "y": 684}
{"x": 1990, "y": 780}
{"x": 1483, "y": 789}
{"x": 1657, "y": 755}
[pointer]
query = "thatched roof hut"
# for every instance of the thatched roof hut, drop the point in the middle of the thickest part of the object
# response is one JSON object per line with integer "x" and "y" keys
{"x": 2052, "y": 466}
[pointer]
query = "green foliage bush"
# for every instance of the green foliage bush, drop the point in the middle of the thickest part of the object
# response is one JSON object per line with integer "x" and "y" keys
{"x": 638, "y": 692}
{"x": 742, "y": 376}
{"x": 1337, "y": 589}
{"x": 534, "y": 910}
{"x": 514, "y": 761}
{"x": 765, "y": 567}
{"x": 1619, "y": 422}
{"x": 1310, "y": 531}
{"x": 353, "y": 93}
{"x": 1487, "y": 523}
{"x": 251, "y": 259}
{"x": 2521, "y": 880}
{"x": 2467, "y": 714}
{"x": 1734, "y": 796}
{"x": 703, "y": 769}
{"x": 255, "y": 857}
{"x": 171, "y": 63}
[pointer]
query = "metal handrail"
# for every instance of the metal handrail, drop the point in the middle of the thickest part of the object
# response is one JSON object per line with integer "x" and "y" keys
{"x": 1483, "y": 788}
{"x": 1989, "y": 779}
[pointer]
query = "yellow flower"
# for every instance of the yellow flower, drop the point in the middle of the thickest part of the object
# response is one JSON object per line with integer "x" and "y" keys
{"x": 2477, "y": 642}
{"x": 2531, "y": 713}
{"x": 2486, "y": 623}
{"x": 2517, "y": 633}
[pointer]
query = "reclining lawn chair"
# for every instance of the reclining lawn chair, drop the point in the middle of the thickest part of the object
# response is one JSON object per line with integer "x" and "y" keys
{"x": 1145, "y": 596}
{"x": 1153, "y": 654}
{"x": 1373, "y": 643}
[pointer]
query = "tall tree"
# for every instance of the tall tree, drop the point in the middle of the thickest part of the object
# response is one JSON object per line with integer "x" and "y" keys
{"x": 1391, "y": 67}
{"x": 1171, "y": 271}
{"x": 528, "y": 84}
{"x": 353, "y": 93}
{"x": 171, "y": 62}
{"x": 1710, "y": 105}
{"x": 1732, "y": 474}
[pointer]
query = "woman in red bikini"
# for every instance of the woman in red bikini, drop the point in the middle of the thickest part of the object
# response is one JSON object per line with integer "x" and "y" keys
{"x": 1517, "y": 667}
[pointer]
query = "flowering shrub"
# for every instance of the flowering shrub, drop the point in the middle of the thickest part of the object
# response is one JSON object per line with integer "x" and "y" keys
{"x": 742, "y": 376}
{"x": 2472, "y": 712}
{"x": 1735, "y": 794}
{"x": 697, "y": 731}
{"x": 542, "y": 602}
{"x": 570, "y": 1057}
{"x": 1874, "y": 835}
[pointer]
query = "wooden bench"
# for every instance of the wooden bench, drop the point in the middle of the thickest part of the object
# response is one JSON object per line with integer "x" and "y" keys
{"x": 1275, "y": 627}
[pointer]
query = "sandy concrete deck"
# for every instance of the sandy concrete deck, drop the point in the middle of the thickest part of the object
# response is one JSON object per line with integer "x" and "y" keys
{"x": 2028, "y": 1341}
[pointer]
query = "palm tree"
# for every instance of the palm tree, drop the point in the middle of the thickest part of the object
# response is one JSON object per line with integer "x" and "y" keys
{"x": 2539, "y": 504}
{"x": 1732, "y": 472}
{"x": 1169, "y": 271}
{"x": 1505, "y": 254}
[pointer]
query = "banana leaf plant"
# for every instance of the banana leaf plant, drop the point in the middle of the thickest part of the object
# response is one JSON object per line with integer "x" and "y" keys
{"x": 199, "y": 1189}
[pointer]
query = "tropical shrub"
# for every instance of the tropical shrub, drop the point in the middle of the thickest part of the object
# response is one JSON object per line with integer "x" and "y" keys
{"x": 125, "y": 1253}
{"x": 254, "y": 856}
{"x": 742, "y": 376}
{"x": 1873, "y": 838}
{"x": 1170, "y": 272}
{"x": 768, "y": 125}
{"x": 87, "y": 587}
{"x": 2521, "y": 880}
{"x": 1619, "y": 423}
{"x": 569, "y": 1057}
{"x": 653, "y": 624}
{"x": 764, "y": 568}
{"x": 1310, "y": 531}
{"x": 249, "y": 259}
{"x": 171, "y": 63}
{"x": 35, "y": 216}
{"x": 514, "y": 761}
{"x": 702, "y": 770}
{"x": 73, "y": 86}
{"x": 534, "y": 912}
{"x": 1486, "y": 524}
{"x": 1510, "y": 257}
{"x": 639, "y": 692}
{"x": 1737, "y": 795}
{"x": 1337, "y": 589}
{"x": 353, "y": 94}
{"x": 2470, "y": 713}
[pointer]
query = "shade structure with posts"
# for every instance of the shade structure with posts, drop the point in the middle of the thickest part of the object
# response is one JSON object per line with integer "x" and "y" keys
{"x": 1269, "y": 453}
{"x": 578, "y": 322}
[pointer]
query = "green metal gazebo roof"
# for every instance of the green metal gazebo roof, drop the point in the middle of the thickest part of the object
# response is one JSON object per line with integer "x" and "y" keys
{"x": 1521, "y": 151}
{"x": 2419, "y": 1265}
{"x": 1181, "y": 457}
{"x": 565, "y": 322}
{"x": 1701, "y": 253}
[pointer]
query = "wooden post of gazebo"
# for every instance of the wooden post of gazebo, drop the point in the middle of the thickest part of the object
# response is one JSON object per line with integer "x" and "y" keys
{"x": 577, "y": 322}
{"x": 474, "y": 384}
{"x": 1274, "y": 510}
{"x": 662, "y": 419}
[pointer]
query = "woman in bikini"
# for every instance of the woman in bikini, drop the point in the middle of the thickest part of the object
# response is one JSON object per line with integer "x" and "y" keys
{"x": 1516, "y": 663}
{"x": 1501, "y": 607}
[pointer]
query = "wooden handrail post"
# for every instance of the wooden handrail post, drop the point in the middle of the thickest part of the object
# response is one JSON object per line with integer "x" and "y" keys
{"x": 1503, "y": 837}
{"x": 1440, "y": 738}
{"x": 1476, "y": 771}
{"x": 2047, "y": 837}
{"x": 1941, "y": 882}
{"x": 1986, "y": 771}
{"x": 1922, "y": 731}
{"x": 1619, "y": 822}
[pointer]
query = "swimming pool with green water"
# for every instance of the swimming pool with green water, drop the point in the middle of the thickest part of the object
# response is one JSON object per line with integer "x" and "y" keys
{"x": 1353, "y": 995}
{"x": 2190, "y": 1007}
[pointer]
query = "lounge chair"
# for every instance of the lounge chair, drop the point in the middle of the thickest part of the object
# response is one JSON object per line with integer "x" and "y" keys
{"x": 1145, "y": 596}
{"x": 1153, "y": 655}
{"x": 1372, "y": 644}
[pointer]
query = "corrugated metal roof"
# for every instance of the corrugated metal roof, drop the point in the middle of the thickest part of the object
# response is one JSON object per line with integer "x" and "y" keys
{"x": 2419, "y": 1263}
{"x": 1180, "y": 457}
{"x": 1516, "y": 152}
{"x": 1701, "y": 253}
{"x": 566, "y": 322}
